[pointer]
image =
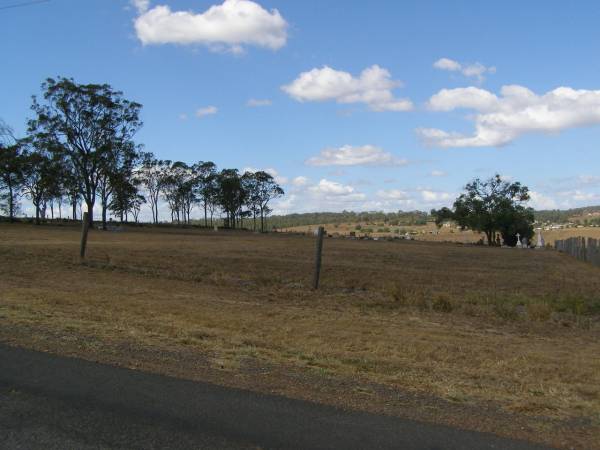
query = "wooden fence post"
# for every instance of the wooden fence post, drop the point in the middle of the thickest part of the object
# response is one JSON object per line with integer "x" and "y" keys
{"x": 318, "y": 258}
{"x": 84, "y": 234}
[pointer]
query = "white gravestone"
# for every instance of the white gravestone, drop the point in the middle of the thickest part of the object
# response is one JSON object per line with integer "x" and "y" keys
{"x": 540, "y": 240}
{"x": 519, "y": 245}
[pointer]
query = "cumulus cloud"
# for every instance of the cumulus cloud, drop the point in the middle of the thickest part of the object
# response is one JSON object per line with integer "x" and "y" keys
{"x": 500, "y": 120}
{"x": 438, "y": 173}
{"x": 348, "y": 155}
{"x": 206, "y": 111}
{"x": 339, "y": 191}
{"x": 475, "y": 70}
{"x": 141, "y": 5}
{"x": 231, "y": 26}
{"x": 300, "y": 181}
{"x": 372, "y": 87}
{"x": 253, "y": 103}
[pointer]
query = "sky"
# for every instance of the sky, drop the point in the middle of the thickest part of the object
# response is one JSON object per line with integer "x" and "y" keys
{"x": 351, "y": 105}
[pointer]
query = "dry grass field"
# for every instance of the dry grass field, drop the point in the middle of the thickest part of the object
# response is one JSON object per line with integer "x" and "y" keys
{"x": 492, "y": 339}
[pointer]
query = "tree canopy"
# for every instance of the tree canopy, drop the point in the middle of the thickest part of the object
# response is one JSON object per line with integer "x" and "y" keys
{"x": 492, "y": 206}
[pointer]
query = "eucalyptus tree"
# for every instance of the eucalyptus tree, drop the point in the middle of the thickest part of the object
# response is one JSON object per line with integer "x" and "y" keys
{"x": 116, "y": 171}
{"x": 267, "y": 189}
{"x": 125, "y": 197}
{"x": 41, "y": 174}
{"x": 11, "y": 170}
{"x": 85, "y": 122}
{"x": 12, "y": 165}
{"x": 152, "y": 174}
{"x": 230, "y": 195}
{"x": 251, "y": 198}
{"x": 206, "y": 186}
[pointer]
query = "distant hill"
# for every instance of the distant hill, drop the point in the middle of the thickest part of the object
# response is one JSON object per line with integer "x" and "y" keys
{"x": 397, "y": 218}
{"x": 591, "y": 214}
{"x": 586, "y": 215}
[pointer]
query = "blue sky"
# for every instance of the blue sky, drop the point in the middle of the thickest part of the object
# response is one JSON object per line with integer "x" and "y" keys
{"x": 353, "y": 105}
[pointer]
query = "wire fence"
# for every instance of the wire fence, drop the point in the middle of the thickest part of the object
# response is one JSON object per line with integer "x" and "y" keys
{"x": 584, "y": 249}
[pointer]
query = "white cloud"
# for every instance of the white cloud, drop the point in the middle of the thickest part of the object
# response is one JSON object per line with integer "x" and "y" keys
{"x": 517, "y": 111}
{"x": 332, "y": 188}
{"x": 476, "y": 70}
{"x": 206, "y": 111}
{"x": 348, "y": 155}
{"x": 540, "y": 201}
{"x": 430, "y": 196}
{"x": 300, "y": 181}
{"x": 141, "y": 5}
{"x": 469, "y": 97}
{"x": 231, "y": 25}
{"x": 393, "y": 194}
{"x": 183, "y": 116}
{"x": 373, "y": 87}
{"x": 447, "y": 64}
{"x": 438, "y": 173}
{"x": 258, "y": 102}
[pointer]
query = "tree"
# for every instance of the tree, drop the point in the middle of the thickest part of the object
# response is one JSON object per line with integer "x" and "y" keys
{"x": 125, "y": 196}
{"x": 267, "y": 190}
{"x": 206, "y": 187}
{"x": 178, "y": 190}
{"x": 152, "y": 173}
{"x": 116, "y": 170}
{"x": 85, "y": 122}
{"x": 11, "y": 177}
{"x": 41, "y": 173}
{"x": 230, "y": 195}
{"x": 491, "y": 206}
{"x": 252, "y": 198}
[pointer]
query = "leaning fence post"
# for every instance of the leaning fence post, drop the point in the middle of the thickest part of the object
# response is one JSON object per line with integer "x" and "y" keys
{"x": 84, "y": 233}
{"x": 318, "y": 257}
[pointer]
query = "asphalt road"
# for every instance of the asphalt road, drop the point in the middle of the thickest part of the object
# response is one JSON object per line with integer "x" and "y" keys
{"x": 50, "y": 402}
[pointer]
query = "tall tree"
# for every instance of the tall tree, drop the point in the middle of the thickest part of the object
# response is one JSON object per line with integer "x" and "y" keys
{"x": 41, "y": 174}
{"x": 231, "y": 195}
{"x": 116, "y": 170}
{"x": 206, "y": 186}
{"x": 11, "y": 177}
{"x": 85, "y": 122}
{"x": 267, "y": 189}
{"x": 152, "y": 173}
{"x": 491, "y": 206}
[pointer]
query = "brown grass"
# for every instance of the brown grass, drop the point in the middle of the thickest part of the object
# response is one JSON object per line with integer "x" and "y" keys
{"x": 514, "y": 329}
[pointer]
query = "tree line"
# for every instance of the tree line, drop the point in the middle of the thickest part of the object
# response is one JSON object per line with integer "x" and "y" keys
{"x": 80, "y": 149}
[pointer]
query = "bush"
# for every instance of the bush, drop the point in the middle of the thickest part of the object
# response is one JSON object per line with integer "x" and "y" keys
{"x": 442, "y": 304}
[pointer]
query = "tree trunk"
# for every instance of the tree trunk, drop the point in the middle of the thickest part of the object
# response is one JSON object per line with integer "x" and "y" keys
{"x": 90, "y": 208}
{"x": 37, "y": 213}
{"x": 11, "y": 205}
{"x": 262, "y": 220}
{"x": 205, "y": 221}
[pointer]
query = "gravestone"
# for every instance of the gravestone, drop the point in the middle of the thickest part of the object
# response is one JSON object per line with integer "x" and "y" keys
{"x": 540, "y": 240}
